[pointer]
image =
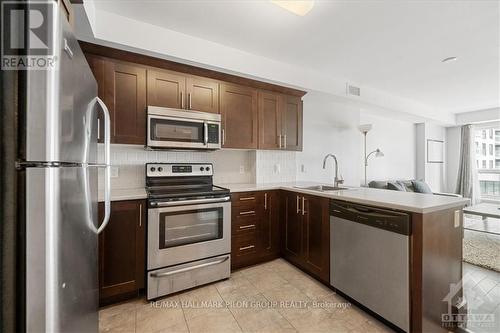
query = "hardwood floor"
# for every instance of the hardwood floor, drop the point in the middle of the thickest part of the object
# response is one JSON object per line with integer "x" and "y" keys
{"x": 271, "y": 297}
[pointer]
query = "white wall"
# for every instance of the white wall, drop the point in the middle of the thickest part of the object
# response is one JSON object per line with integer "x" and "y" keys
{"x": 396, "y": 139}
{"x": 330, "y": 126}
{"x": 453, "y": 143}
{"x": 433, "y": 174}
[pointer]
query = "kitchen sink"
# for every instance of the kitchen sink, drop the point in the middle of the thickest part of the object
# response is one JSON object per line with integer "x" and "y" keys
{"x": 322, "y": 188}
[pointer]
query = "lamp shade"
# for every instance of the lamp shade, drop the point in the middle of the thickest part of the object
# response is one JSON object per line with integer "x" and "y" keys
{"x": 365, "y": 128}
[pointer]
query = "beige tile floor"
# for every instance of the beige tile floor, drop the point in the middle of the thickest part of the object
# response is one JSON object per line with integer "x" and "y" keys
{"x": 271, "y": 297}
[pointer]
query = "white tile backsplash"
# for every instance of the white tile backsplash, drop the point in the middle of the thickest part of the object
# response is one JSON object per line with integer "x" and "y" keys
{"x": 131, "y": 159}
{"x": 275, "y": 166}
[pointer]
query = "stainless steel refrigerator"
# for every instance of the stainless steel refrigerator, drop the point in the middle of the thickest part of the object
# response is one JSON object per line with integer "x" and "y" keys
{"x": 59, "y": 171}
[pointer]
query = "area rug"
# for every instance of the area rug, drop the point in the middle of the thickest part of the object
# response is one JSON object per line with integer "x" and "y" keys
{"x": 482, "y": 249}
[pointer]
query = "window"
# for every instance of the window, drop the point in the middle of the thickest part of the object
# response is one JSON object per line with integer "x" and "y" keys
{"x": 487, "y": 146}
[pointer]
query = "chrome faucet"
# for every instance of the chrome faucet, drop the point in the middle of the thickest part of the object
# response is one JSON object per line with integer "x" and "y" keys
{"x": 336, "y": 180}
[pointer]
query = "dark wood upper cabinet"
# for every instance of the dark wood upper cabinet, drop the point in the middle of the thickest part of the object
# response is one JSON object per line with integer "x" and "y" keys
{"x": 125, "y": 97}
{"x": 166, "y": 89}
{"x": 270, "y": 109}
{"x": 122, "y": 251}
{"x": 239, "y": 117}
{"x": 202, "y": 94}
{"x": 292, "y": 123}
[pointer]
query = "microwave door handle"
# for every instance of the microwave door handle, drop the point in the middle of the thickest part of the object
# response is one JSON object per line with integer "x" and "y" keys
{"x": 107, "y": 166}
{"x": 205, "y": 133}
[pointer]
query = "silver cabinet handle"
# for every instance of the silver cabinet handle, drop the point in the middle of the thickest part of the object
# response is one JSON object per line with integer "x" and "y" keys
{"x": 223, "y": 137}
{"x": 189, "y": 202}
{"x": 205, "y": 134}
{"x": 248, "y": 212}
{"x": 140, "y": 215}
{"x": 107, "y": 166}
{"x": 190, "y": 101}
{"x": 284, "y": 141}
{"x": 298, "y": 205}
{"x": 279, "y": 138}
{"x": 247, "y": 247}
{"x": 303, "y": 207}
{"x": 265, "y": 201}
{"x": 187, "y": 269}
{"x": 247, "y": 198}
{"x": 247, "y": 226}
{"x": 182, "y": 101}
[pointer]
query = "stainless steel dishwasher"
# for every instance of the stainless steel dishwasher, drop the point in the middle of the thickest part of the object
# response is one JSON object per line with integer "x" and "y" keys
{"x": 369, "y": 259}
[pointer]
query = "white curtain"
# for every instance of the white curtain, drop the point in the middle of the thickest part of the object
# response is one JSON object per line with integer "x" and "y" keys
{"x": 468, "y": 183}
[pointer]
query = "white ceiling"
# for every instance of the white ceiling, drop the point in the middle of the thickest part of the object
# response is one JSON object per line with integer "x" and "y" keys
{"x": 395, "y": 46}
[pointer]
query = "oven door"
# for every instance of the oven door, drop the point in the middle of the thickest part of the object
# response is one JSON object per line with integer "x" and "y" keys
{"x": 179, "y": 234}
{"x": 182, "y": 133}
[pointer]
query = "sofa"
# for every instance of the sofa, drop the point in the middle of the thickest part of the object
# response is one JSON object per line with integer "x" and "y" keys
{"x": 417, "y": 186}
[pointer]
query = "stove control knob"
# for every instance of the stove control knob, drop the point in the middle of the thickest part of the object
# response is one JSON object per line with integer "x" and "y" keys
{"x": 202, "y": 169}
{"x": 207, "y": 168}
{"x": 153, "y": 169}
{"x": 160, "y": 169}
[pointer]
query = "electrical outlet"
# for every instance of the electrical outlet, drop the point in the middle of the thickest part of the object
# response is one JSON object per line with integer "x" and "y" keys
{"x": 277, "y": 168}
{"x": 457, "y": 219}
{"x": 114, "y": 172}
{"x": 242, "y": 169}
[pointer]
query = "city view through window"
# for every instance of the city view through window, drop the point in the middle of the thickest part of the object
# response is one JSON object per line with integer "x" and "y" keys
{"x": 487, "y": 143}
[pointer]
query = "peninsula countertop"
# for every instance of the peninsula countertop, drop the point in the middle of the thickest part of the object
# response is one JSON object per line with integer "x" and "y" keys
{"x": 407, "y": 201}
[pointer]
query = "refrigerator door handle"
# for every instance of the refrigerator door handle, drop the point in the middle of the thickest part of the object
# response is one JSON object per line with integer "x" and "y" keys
{"x": 107, "y": 166}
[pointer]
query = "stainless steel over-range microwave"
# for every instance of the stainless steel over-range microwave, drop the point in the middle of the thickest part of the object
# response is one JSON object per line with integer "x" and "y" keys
{"x": 182, "y": 129}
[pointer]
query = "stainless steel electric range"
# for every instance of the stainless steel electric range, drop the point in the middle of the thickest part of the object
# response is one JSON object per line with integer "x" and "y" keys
{"x": 189, "y": 228}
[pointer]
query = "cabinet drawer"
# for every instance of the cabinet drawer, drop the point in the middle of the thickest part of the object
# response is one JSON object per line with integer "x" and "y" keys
{"x": 244, "y": 247}
{"x": 244, "y": 198}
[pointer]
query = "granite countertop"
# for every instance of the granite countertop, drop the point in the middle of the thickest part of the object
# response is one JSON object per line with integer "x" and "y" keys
{"x": 407, "y": 201}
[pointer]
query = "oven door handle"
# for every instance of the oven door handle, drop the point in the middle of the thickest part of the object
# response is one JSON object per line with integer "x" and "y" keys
{"x": 189, "y": 202}
{"x": 187, "y": 269}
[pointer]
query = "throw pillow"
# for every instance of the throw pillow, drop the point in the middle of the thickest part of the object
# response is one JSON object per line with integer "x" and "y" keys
{"x": 421, "y": 186}
{"x": 396, "y": 186}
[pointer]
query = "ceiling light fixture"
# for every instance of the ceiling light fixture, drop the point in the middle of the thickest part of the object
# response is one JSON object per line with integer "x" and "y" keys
{"x": 298, "y": 7}
{"x": 449, "y": 59}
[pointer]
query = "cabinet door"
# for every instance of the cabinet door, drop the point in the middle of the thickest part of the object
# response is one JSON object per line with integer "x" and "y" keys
{"x": 239, "y": 116}
{"x": 202, "y": 94}
{"x": 291, "y": 243}
{"x": 292, "y": 123}
{"x": 269, "y": 224}
{"x": 316, "y": 231}
{"x": 270, "y": 106}
{"x": 97, "y": 67}
{"x": 125, "y": 97}
{"x": 122, "y": 251}
{"x": 166, "y": 89}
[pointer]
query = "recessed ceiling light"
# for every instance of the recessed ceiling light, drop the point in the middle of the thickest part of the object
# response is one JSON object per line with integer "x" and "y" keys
{"x": 449, "y": 59}
{"x": 298, "y": 7}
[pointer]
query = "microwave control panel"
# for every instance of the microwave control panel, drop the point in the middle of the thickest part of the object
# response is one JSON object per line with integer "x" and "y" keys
{"x": 213, "y": 133}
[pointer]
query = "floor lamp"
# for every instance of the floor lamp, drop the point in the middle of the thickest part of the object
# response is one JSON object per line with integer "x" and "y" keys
{"x": 378, "y": 153}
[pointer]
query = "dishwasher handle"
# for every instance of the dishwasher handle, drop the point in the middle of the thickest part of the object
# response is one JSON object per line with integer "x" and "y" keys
{"x": 398, "y": 222}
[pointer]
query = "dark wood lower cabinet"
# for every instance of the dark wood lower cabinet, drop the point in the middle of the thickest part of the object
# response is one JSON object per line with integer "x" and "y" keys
{"x": 255, "y": 227}
{"x": 122, "y": 251}
{"x": 305, "y": 230}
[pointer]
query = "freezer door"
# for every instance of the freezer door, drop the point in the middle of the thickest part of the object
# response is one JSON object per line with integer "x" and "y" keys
{"x": 61, "y": 113}
{"x": 61, "y": 250}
